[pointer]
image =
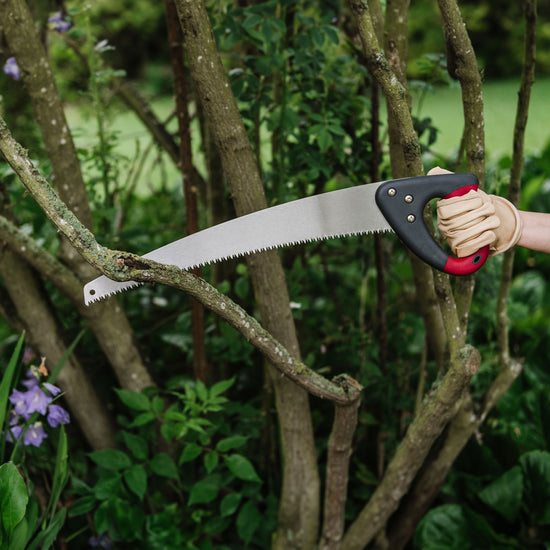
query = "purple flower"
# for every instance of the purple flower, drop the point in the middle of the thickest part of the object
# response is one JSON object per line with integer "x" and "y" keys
{"x": 37, "y": 400}
{"x": 101, "y": 541}
{"x": 34, "y": 435}
{"x": 11, "y": 68}
{"x": 58, "y": 23}
{"x": 31, "y": 380}
{"x": 54, "y": 390}
{"x": 26, "y": 403}
{"x": 28, "y": 356}
{"x": 13, "y": 433}
{"x": 20, "y": 403}
{"x": 57, "y": 415}
{"x": 14, "y": 418}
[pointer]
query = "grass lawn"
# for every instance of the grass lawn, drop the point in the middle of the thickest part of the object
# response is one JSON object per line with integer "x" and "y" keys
{"x": 443, "y": 106}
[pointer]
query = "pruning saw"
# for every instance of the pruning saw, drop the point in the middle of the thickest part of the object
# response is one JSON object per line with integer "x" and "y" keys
{"x": 393, "y": 205}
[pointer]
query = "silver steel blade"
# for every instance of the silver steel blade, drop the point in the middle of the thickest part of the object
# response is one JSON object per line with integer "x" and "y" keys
{"x": 339, "y": 213}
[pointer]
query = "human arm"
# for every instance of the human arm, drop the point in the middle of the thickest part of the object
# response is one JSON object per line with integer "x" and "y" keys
{"x": 536, "y": 231}
{"x": 476, "y": 219}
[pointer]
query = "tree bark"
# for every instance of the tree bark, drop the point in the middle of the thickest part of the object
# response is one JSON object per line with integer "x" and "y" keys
{"x": 115, "y": 265}
{"x": 336, "y": 483}
{"x": 189, "y": 175}
{"x": 108, "y": 320}
{"x": 428, "y": 484}
{"x": 299, "y": 504}
{"x": 438, "y": 408}
{"x": 524, "y": 95}
{"x": 41, "y": 327}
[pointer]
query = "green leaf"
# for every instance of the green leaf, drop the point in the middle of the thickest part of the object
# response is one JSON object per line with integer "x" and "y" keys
{"x": 61, "y": 472}
{"x": 317, "y": 37}
{"x": 211, "y": 461}
{"x": 136, "y": 444}
{"x": 13, "y": 497}
{"x": 61, "y": 363}
{"x": 136, "y": 479}
{"x": 102, "y": 518}
{"x": 82, "y": 506}
{"x": 107, "y": 485}
{"x": 142, "y": 419}
{"x": 324, "y": 139}
{"x": 202, "y": 392}
{"x": 221, "y": 387}
{"x": 7, "y": 377}
{"x": 134, "y": 400}
{"x": 80, "y": 487}
{"x": 233, "y": 442}
{"x": 19, "y": 536}
{"x": 111, "y": 459}
{"x": 453, "y": 527}
{"x": 505, "y": 494}
{"x": 230, "y": 503}
{"x": 248, "y": 521}
{"x": 241, "y": 467}
{"x": 190, "y": 452}
{"x": 536, "y": 493}
{"x": 164, "y": 466}
{"x": 332, "y": 33}
{"x": 205, "y": 490}
{"x": 158, "y": 404}
{"x": 251, "y": 21}
{"x": 45, "y": 538}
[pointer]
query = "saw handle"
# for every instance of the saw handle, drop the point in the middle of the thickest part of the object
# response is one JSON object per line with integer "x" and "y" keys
{"x": 403, "y": 201}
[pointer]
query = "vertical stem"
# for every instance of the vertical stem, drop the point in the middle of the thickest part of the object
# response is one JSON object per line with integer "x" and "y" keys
{"x": 338, "y": 457}
{"x": 524, "y": 95}
{"x": 190, "y": 183}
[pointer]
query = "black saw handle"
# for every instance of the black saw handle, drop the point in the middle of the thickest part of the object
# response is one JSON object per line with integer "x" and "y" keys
{"x": 402, "y": 202}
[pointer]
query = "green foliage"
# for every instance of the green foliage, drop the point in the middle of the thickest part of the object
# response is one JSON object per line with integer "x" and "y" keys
{"x": 205, "y": 469}
{"x": 191, "y": 466}
{"x": 22, "y": 526}
{"x": 520, "y": 497}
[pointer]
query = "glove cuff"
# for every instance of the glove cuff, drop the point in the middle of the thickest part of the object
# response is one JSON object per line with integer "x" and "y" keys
{"x": 511, "y": 226}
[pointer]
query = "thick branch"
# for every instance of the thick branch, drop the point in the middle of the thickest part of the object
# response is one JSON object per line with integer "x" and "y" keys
{"x": 428, "y": 484}
{"x": 405, "y": 155}
{"x": 298, "y": 519}
{"x": 106, "y": 261}
{"x": 42, "y": 330}
{"x": 112, "y": 331}
{"x": 338, "y": 457}
{"x": 24, "y": 43}
{"x": 463, "y": 65}
{"x": 438, "y": 408}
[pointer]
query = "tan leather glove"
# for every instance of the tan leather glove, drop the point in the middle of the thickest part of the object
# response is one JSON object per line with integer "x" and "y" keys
{"x": 477, "y": 219}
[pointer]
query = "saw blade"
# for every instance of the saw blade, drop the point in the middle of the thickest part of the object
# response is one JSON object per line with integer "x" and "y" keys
{"x": 338, "y": 213}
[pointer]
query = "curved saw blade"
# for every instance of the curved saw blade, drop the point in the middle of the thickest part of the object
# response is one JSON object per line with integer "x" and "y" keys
{"x": 334, "y": 214}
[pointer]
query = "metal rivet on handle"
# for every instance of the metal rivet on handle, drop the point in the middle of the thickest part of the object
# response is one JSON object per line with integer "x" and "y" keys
{"x": 409, "y": 198}
{"x": 392, "y": 192}
{"x": 411, "y": 218}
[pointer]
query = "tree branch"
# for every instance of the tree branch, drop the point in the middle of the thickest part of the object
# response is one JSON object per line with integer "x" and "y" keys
{"x": 427, "y": 485}
{"x": 438, "y": 408}
{"x": 338, "y": 457}
{"x": 524, "y": 95}
{"x": 108, "y": 262}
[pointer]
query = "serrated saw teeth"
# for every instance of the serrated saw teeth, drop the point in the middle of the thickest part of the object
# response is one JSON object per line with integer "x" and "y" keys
{"x": 329, "y": 215}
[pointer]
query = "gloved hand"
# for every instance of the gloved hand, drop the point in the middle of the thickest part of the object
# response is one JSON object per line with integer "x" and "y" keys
{"x": 477, "y": 219}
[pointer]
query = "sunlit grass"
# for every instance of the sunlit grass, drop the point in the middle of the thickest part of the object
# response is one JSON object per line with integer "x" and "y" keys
{"x": 443, "y": 106}
{"x": 500, "y": 99}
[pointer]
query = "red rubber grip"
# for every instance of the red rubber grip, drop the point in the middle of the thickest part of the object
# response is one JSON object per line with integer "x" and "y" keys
{"x": 468, "y": 264}
{"x": 402, "y": 203}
